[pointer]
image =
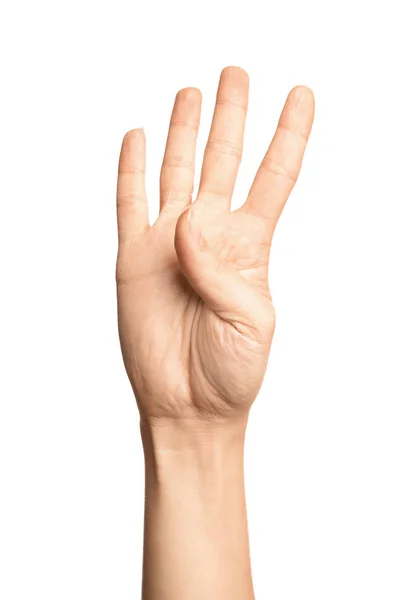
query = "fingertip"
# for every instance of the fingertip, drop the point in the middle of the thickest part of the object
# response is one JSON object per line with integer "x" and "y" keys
{"x": 133, "y": 150}
{"x": 133, "y": 140}
{"x": 235, "y": 74}
{"x": 233, "y": 87}
{"x": 301, "y": 96}
{"x": 182, "y": 226}
{"x": 132, "y": 134}
{"x": 180, "y": 236}
{"x": 298, "y": 111}
{"x": 187, "y": 107}
{"x": 190, "y": 95}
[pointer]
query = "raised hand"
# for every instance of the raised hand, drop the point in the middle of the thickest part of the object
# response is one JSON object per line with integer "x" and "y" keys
{"x": 195, "y": 313}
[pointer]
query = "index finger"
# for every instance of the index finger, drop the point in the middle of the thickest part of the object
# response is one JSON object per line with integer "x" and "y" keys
{"x": 281, "y": 165}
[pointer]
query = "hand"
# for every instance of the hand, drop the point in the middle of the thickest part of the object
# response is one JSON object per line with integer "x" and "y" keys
{"x": 195, "y": 313}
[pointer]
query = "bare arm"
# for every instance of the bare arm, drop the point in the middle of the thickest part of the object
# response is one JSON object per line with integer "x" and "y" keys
{"x": 196, "y": 541}
{"x": 196, "y": 322}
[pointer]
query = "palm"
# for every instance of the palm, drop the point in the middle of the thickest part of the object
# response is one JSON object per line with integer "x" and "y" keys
{"x": 195, "y": 313}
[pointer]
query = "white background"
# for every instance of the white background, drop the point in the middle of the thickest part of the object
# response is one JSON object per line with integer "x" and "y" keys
{"x": 329, "y": 444}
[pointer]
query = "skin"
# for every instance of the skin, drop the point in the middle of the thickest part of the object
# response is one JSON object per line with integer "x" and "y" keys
{"x": 196, "y": 322}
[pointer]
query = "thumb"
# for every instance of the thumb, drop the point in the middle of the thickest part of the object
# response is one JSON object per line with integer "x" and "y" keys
{"x": 222, "y": 288}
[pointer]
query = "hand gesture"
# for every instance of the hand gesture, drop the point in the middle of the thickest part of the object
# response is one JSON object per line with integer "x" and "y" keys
{"x": 194, "y": 307}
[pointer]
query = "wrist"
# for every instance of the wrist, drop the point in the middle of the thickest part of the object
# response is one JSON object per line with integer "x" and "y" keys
{"x": 195, "y": 510}
{"x": 186, "y": 448}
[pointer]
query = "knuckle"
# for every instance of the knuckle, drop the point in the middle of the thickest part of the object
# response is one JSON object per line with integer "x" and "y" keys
{"x": 240, "y": 104}
{"x": 224, "y": 147}
{"x": 130, "y": 200}
{"x": 130, "y": 171}
{"x": 292, "y": 131}
{"x": 179, "y": 162}
{"x": 279, "y": 170}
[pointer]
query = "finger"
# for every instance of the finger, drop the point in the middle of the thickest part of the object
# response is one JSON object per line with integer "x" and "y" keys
{"x": 177, "y": 171}
{"x": 221, "y": 287}
{"x": 132, "y": 209}
{"x": 281, "y": 165}
{"x": 224, "y": 147}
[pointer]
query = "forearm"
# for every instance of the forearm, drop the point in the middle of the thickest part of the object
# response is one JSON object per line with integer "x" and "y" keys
{"x": 196, "y": 539}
